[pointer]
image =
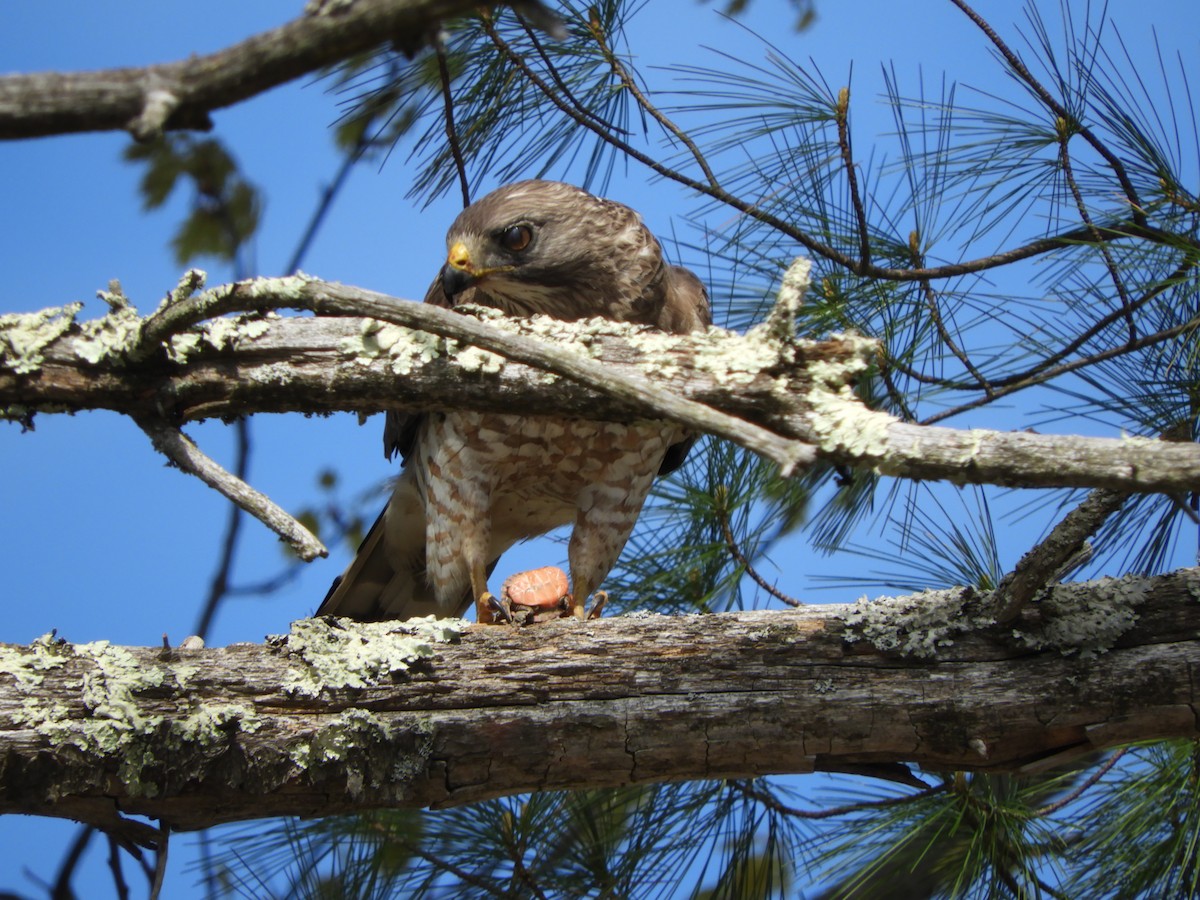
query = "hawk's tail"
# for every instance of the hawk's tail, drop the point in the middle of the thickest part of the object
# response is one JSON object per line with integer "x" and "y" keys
{"x": 386, "y": 579}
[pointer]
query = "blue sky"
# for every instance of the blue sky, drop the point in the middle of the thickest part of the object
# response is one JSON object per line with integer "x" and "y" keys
{"x": 99, "y": 539}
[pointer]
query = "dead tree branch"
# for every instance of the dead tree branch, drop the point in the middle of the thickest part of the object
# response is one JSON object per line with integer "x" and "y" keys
{"x": 446, "y": 714}
{"x": 145, "y": 101}
{"x": 792, "y": 401}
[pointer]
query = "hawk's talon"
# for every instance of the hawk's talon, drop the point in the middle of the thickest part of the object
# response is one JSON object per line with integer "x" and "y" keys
{"x": 598, "y": 600}
{"x": 494, "y": 607}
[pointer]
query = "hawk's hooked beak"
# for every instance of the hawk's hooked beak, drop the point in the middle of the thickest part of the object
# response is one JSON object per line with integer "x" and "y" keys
{"x": 458, "y": 274}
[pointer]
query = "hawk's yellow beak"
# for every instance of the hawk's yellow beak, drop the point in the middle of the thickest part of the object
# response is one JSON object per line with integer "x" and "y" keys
{"x": 458, "y": 274}
{"x": 459, "y": 257}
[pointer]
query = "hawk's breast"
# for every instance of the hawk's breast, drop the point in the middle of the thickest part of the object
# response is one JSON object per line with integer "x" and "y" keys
{"x": 538, "y": 472}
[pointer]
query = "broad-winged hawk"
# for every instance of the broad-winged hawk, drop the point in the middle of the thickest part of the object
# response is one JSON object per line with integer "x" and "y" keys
{"x": 474, "y": 484}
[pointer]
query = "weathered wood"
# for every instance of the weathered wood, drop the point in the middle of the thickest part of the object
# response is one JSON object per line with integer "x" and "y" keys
{"x": 196, "y": 738}
{"x": 182, "y": 94}
{"x": 799, "y": 392}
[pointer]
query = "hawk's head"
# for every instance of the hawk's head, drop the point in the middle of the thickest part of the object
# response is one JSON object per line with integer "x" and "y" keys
{"x": 547, "y": 247}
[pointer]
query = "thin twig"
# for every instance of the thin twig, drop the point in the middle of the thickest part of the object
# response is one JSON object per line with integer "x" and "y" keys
{"x": 219, "y": 586}
{"x": 531, "y": 33}
{"x": 1086, "y": 785}
{"x": 1049, "y": 363}
{"x": 931, "y": 301}
{"x": 460, "y": 164}
{"x": 120, "y": 885}
{"x": 842, "y": 117}
{"x": 628, "y": 82}
{"x": 935, "y": 313}
{"x": 741, "y": 560}
{"x": 179, "y": 449}
{"x": 160, "y": 860}
{"x": 66, "y": 869}
{"x": 1045, "y": 375}
{"x": 317, "y": 219}
{"x": 775, "y": 806}
{"x": 1014, "y": 61}
{"x": 899, "y": 400}
{"x": 1136, "y": 229}
{"x": 1064, "y": 156}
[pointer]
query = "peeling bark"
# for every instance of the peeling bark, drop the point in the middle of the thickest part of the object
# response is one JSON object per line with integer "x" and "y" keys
{"x": 200, "y": 737}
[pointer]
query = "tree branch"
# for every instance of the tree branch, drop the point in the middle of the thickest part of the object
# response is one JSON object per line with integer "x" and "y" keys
{"x": 145, "y": 101}
{"x": 184, "y": 454}
{"x": 1044, "y": 562}
{"x": 790, "y": 401}
{"x": 303, "y": 726}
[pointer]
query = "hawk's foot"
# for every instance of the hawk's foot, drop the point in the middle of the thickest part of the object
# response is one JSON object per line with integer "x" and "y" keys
{"x": 490, "y": 610}
{"x": 598, "y": 600}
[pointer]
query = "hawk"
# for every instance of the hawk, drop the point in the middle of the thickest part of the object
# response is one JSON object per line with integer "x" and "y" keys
{"x": 475, "y": 483}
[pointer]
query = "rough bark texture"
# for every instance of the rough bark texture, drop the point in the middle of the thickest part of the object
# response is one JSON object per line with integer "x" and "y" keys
{"x": 337, "y": 718}
{"x": 792, "y": 393}
{"x": 181, "y": 94}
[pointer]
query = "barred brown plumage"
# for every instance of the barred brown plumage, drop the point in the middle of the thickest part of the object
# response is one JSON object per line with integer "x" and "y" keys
{"x": 474, "y": 484}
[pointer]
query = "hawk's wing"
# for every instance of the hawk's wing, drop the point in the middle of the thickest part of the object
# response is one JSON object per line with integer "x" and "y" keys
{"x": 685, "y": 309}
{"x": 400, "y": 429}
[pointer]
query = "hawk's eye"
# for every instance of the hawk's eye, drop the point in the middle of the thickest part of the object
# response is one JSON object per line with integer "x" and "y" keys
{"x": 516, "y": 238}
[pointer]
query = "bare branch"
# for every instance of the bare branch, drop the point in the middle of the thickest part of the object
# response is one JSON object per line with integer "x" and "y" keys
{"x": 330, "y": 298}
{"x": 180, "y": 450}
{"x": 790, "y": 401}
{"x": 145, "y": 101}
{"x": 1044, "y": 562}
{"x": 740, "y": 558}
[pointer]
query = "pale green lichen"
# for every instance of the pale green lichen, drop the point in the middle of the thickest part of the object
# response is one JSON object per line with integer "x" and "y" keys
{"x": 841, "y": 422}
{"x": 24, "y": 337}
{"x": 918, "y": 624}
{"x": 279, "y": 373}
{"x": 342, "y": 653}
{"x": 26, "y": 664}
{"x": 475, "y": 359}
{"x": 729, "y": 358}
{"x": 405, "y": 348}
{"x": 289, "y": 287}
{"x": 108, "y": 689}
{"x": 114, "y": 722}
{"x": 367, "y": 751}
{"x": 111, "y": 336}
{"x": 1087, "y": 618}
{"x": 226, "y": 333}
{"x": 780, "y": 323}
